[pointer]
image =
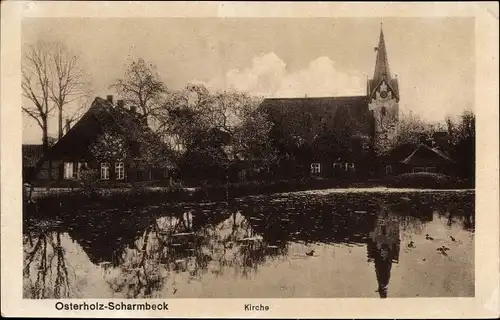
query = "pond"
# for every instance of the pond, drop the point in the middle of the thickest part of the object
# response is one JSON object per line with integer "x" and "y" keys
{"x": 305, "y": 244}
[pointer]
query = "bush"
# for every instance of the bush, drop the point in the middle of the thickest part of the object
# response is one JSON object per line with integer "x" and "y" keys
{"x": 109, "y": 184}
{"x": 426, "y": 180}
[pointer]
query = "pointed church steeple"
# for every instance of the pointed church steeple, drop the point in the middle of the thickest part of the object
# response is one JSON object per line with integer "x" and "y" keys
{"x": 382, "y": 69}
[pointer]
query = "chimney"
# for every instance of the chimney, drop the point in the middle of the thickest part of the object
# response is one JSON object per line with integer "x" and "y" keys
{"x": 133, "y": 109}
{"x": 120, "y": 103}
{"x": 68, "y": 125}
{"x": 109, "y": 98}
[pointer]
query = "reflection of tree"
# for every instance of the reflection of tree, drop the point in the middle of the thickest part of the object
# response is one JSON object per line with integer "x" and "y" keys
{"x": 43, "y": 256}
{"x": 170, "y": 244}
{"x": 243, "y": 246}
{"x": 383, "y": 248}
{"x": 105, "y": 237}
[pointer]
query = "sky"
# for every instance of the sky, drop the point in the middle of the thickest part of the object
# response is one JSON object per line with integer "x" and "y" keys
{"x": 433, "y": 58}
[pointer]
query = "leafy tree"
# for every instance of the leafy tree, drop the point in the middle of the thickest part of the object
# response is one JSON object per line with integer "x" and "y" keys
{"x": 142, "y": 87}
{"x": 110, "y": 147}
{"x": 212, "y": 130}
{"x": 410, "y": 130}
{"x": 462, "y": 137}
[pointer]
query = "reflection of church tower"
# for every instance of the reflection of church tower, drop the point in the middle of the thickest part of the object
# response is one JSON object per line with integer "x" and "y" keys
{"x": 383, "y": 249}
{"x": 383, "y": 95}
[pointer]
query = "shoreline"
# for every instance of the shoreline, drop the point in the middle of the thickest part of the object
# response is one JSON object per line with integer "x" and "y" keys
{"x": 60, "y": 204}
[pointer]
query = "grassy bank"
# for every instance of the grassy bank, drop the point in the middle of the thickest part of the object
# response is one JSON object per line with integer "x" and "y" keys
{"x": 54, "y": 204}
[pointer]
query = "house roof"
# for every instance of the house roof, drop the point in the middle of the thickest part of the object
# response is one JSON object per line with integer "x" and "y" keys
{"x": 423, "y": 151}
{"x": 312, "y": 113}
{"x": 399, "y": 153}
{"x": 31, "y": 154}
{"x": 101, "y": 115}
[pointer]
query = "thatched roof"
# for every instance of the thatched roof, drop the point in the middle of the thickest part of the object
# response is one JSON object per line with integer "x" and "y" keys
{"x": 425, "y": 152}
{"x": 103, "y": 115}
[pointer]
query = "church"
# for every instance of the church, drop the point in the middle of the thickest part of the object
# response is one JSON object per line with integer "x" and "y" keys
{"x": 336, "y": 136}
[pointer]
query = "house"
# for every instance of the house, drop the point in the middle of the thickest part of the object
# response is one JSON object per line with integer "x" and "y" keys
{"x": 114, "y": 141}
{"x": 390, "y": 163}
{"x": 427, "y": 159}
{"x": 336, "y": 136}
{"x": 31, "y": 154}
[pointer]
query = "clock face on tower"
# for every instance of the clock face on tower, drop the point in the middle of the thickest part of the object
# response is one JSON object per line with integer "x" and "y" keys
{"x": 383, "y": 94}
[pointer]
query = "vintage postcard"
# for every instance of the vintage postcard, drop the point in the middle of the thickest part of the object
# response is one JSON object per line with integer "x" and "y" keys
{"x": 254, "y": 160}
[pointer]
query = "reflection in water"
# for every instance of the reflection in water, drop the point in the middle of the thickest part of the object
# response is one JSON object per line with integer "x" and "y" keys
{"x": 47, "y": 273}
{"x": 172, "y": 251}
{"x": 383, "y": 248}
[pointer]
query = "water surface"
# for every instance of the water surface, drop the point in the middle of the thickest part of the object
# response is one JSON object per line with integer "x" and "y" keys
{"x": 306, "y": 244}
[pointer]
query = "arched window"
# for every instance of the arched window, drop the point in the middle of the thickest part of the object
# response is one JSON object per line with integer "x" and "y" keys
{"x": 383, "y": 111}
{"x": 388, "y": 169}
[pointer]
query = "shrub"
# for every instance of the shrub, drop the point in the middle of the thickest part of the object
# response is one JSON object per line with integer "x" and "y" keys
{"x": 89, "y": 178}
{"x": 423, "y": 180}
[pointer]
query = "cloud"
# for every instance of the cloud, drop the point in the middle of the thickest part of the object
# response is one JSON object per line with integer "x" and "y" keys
{"x": 268, "y": 76}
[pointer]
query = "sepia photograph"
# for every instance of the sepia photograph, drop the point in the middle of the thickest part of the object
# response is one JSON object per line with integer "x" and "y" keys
{"x": 248, "y": 157}
{"x": 260, "y": 157}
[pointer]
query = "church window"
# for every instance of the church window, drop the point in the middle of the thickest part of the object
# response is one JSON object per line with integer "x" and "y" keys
{"x": 383, "y": 86}
{"x": 388, "y": 169}
{"x": 315, "y": 167}
{"x": 418, "y": 169}
{"x": 383, "y": 111}
{"x": 337, "y": 165}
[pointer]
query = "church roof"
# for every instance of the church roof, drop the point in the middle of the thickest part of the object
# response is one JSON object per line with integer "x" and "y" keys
{"x": 312, "y": 113}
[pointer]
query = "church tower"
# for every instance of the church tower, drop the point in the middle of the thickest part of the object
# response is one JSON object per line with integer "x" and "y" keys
{"x": 383, "y": 96}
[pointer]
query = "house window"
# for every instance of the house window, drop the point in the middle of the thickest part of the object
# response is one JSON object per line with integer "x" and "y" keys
{"x": 348, "y": 166}
{"x": 120, "y": 171}
{"x": 104, "y": 171}
{"x": 388, "y": 169}
{"x": 315, "y": 167}
{"x": 337, "y": 165}
{"x": 418, "y": 169}
{"x": 77, "y": 169}
{"x": 430, "y": 169}
{"x": 68, "y": 170}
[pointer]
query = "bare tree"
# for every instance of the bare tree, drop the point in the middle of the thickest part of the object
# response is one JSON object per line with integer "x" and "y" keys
{"x": 68, "y": 81}
{"x": 142, "y": 87}
{"x": 36, "y": 88}
{"x": 52, "y": 79}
